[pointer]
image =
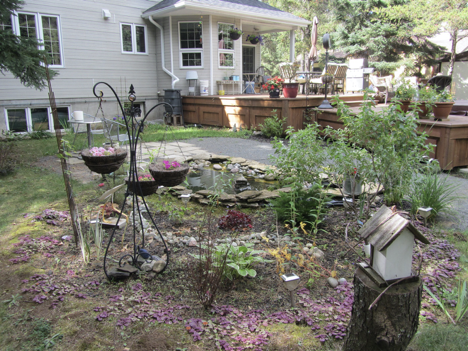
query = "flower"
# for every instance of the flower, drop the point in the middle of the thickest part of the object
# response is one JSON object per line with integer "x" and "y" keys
{"x": 100, "y": 151}
{"x": 255, "y": 37}
{"x": 146, "y": 178}
{"x": 169, "y": 165}
{"x": 235, "y": 30}
{"x": 101, "y": 185}
{"x": 273, "y": 83}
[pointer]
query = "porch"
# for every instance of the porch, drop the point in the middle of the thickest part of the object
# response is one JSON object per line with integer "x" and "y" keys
{"x": 249, "y": 111}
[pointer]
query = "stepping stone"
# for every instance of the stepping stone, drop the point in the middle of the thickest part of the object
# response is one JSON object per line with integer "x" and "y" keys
{"x": 127, "y": 268}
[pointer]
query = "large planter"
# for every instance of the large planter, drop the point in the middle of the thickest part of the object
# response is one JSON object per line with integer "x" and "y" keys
{"x": 352, "y": 186}
{"x": 442, "y": 110}
{"x": 290, "y": 90}
{"x": 274, "y": 94}
{"x": 146, "y": 187}
{"x": 234, "y": 36}
{"x": 104, "y": 164}
{"x": 168, "y": 177}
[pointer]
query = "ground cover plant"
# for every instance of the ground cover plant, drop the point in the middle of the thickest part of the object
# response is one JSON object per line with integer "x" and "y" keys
{"x": 51, "y": 299}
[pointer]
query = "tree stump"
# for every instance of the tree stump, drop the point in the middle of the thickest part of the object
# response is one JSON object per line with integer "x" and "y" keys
{"x": 391, "y": 323}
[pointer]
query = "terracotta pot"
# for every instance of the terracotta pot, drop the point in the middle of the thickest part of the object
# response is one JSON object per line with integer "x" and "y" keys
{"x": 405, "y": 105}
{"x": 424, "y": 110}
{"x": 442, "y": 110}
{"x": 290, "y": 90}
{"x": 274, "y": 94}
{"x": 234, "y": 36}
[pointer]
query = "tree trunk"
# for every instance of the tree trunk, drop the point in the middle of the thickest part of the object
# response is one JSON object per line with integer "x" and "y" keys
{"x": 453, "y": 53}
{"x": 392, "y": 321}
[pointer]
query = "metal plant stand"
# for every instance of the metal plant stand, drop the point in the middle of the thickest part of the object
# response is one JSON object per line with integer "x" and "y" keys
{"x": 126, "y": 256}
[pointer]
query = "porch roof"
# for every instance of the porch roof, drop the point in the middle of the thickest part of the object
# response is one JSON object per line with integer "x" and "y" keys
{"x": 257, "y": 16}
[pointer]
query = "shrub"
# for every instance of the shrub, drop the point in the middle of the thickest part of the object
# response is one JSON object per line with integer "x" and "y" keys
{"x": 7, "y": 162}
{"x": 299, "y": 205}
{"x": 273, "y": 126}
{"x": 235, "y": 220}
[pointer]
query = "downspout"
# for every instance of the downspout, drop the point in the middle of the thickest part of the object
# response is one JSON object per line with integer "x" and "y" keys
{"x": 163, "y": 62}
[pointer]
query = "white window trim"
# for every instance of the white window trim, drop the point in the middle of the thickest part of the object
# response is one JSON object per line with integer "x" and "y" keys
{"x": 29, "y": 126}
{"x": 40, "y": 32}
{"x": 188, "y": 51}
{"x": 226, "y": 51}
{"x": 134, "y": 43}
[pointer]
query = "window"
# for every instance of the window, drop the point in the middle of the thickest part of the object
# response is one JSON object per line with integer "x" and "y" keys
{"x": 6, "y": 25}
{"x": 133, "y": 38}
{"x": 191, "y": 44}
{"x": 26, "y": 120}
{"x": 44, "y": 28}
{"x": 225, "y": 46}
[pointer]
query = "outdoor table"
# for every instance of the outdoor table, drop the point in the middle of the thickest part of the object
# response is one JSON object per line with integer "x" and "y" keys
{"x": 309, "y": 75}
{"x": 88, "y": 122}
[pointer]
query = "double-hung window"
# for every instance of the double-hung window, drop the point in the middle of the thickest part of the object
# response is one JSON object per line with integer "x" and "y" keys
{"x": 27, "y": 120}
{"x": 225, "y": 46}
{"x": 133, "y": 38}
{"x": 191, "y": 44}
{"x": 44, "y": 28}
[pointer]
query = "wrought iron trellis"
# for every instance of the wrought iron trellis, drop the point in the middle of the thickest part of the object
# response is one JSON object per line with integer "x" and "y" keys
{"x": 134, "y": 128}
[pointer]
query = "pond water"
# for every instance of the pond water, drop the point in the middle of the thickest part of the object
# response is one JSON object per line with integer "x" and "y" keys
{"x": 209, "y": 179}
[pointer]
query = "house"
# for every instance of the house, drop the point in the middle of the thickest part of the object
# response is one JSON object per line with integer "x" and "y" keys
{"x": 391, "y": 238}
{"x": 145, "y": 43}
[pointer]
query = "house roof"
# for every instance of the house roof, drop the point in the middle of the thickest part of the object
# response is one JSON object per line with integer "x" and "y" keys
{"x": 385, "y": 226}
{"x": 247, "y": 10}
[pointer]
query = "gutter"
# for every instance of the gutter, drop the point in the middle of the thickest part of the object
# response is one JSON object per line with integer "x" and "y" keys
{"x": 175, "y": 79}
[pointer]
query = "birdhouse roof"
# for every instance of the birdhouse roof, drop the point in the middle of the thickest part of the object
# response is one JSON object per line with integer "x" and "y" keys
{"x": 385, "y": 226}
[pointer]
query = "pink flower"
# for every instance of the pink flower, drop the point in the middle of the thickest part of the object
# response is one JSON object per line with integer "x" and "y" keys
{"x": 101, "y": 185}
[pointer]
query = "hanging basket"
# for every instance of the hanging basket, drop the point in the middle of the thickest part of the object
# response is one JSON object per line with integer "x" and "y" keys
{"x": 168, "y": 177}
{"x": 234, "y": 35}
{"x": 254, "y": 41}
{"x": 147, "y": 187}
{"x": 104, "y": 164}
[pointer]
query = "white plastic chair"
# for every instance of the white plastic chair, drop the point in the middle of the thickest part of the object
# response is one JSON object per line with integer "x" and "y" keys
{"x": 382, "y": 84}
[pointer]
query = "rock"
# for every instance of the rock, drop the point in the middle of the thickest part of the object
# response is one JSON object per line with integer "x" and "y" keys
{"x": 309, "y": 245}
{"x": 230, "y": 166}
{"x": 237, "y": 159}
{"x": 114, "y": 273}
{"x": 159, "y": 266}
{"x": 235, "y": 170}
{"x": 333, "y": 282}
{"x": 127, "y": 268}
{"x": 217, "y": 167}
{"x": 192, "y": 242}
{"x": 206, "y": 193}
{"x": 241, "y": 180}
{"x": 204, "y": 201}
{"x": 265, "y": 195}
{"x": 305, "y": 250}
{"x": 148, "y": 266}
{"x": 318, "y": 254}
{"x": 227, "y": 197}
{"x": 342, "y": 281}
{"x": 201, "y": 157}
{"x": 248, "y": 195}
{"x": 218, "y": 158}
{"x": 285, "y": 190}
{"x": 270, "y": 177}
{"x": 234, "y": 244}
{"x": 249, "y": 205}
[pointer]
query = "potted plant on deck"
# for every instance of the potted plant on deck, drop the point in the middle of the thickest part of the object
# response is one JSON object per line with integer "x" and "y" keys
{"x": 235, "y": 33}
{"x": 273, "y": 87}
{"x": 290, "y": 86}
{"x": 426, "y": 98}
{"x": 442, "y": 105}
{"x": 404, "y": 94}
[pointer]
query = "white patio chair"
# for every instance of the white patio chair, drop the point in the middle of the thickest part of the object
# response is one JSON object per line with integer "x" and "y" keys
{"x": 383, "y": 85}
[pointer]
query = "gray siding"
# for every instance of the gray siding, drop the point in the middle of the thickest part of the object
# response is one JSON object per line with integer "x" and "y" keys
{"x": 91, "y": 53}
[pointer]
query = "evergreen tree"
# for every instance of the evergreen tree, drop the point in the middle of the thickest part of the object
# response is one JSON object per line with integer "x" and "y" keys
{"x": 19, "y": 55}
{"x": 365, "y": 32}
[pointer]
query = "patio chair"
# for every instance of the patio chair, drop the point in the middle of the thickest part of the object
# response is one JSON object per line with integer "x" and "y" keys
{"x": 383, "y": 85}
{"x": 116, "y": 132}
{"x": 317, "y": 82}
{"x": 440, "y": 82}
{"x": 339, "y": 78}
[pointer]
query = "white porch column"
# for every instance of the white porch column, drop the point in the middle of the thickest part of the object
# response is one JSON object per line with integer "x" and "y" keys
{"x": 292, "y": 43}
{"x": 210, "y": 26}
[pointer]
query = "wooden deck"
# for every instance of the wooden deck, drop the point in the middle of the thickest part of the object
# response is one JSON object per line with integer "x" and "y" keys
{"x": 250, "y": 110}
{"x": 450, "y": 137}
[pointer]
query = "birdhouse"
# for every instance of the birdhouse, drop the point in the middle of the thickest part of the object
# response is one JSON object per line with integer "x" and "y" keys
{"x": 391, "y": 238}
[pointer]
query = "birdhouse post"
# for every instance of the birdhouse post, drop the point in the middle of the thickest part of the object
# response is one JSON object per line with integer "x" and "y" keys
{"x": 387, "y": 293}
